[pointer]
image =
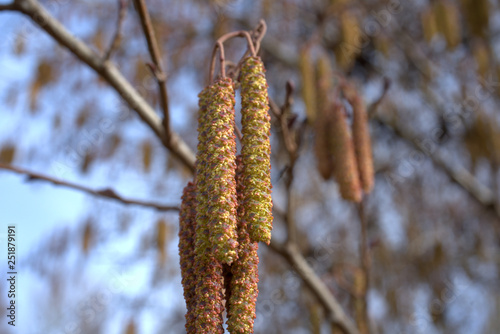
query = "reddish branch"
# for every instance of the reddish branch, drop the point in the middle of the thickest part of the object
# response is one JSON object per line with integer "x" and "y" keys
{"x": 106, "y": 192}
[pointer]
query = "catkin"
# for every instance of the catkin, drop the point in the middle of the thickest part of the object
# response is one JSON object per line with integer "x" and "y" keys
{"x": 207, "y": 270}
{"x": 245, "y": 274}
{"x": 256, "y": 150}
{"x": 187, "y": 226}
{"x": 344, "y": 160}
{"x": 321, "y": 126}
{"x": 307, "y": 76}
{"x": 362, "y": 143}
{"x": 217, "y": 151}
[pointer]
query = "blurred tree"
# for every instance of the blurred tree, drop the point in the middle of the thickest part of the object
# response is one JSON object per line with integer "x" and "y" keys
{"x": 419, "y": 255}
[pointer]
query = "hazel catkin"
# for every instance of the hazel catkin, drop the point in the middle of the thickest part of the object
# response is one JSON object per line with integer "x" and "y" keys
{"x": 345, "y": 168}
{"x": 362, "y": 143}
{"x": 256, "y": 150}
{"x": 216, "y": 161}
{"x": 206, "y": 269}
{"x": 187, "y": 226}
{"x": 321, "y": 124}
{"x": 245, "y": 271}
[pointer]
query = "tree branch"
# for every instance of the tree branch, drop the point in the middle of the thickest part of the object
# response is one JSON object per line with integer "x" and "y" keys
{"x": 106, "y": 192}
{"x": 122, "y": 10}
{"x": 458, "y": 174}
{"x": 154, "y": 51}
{"x": 8, "y": 6}
{"x": 111, "y": 74}
{"x": 334, "y": 310}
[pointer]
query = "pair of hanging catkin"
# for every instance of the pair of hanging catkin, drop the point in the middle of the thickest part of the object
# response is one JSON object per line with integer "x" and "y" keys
{"x": 228, "y": 207}
{"x": 342, "y": 151}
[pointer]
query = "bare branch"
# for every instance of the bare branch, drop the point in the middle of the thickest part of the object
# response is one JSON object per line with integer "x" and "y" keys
{"x": 9, "y": 6}
{"x": 363, "y": 284}
{"x": 106, "y": 192}
{"x": 111, "y": 74}
{"x": 122, "y": 4}
{"x": 154, "y": 51}
{"x": 373, "y": 107}
{"x": 458, "y": 174}
{"x": 334, "y": 310}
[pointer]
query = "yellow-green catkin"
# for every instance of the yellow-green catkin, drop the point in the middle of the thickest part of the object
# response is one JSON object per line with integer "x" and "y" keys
{"x": 187, "y": 227}
{"x": 245, "y": 273}
{"x": 221, "y": 155}
{"x": 256, "y": 150}
{"x": 207, "y": 270}
{"x": 321, "y": 125}
{"x": 362, "y": 143}
{"x": 341, "y": 145}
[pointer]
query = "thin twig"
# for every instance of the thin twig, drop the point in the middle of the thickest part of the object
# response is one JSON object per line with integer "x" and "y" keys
{"x": 122, "y": 11}
{"x": 211, "y": 72}
{"x": 373, "y": 107}
{"x": 241, "y": 33}
{"x": 106, "y": 192}
{"x": 334, "y": 310}
{"x": 361, "y": 297}
{"x": 154, "y": 52}
{"x": 111, "y": 74}
{"x": 259, "y": 34}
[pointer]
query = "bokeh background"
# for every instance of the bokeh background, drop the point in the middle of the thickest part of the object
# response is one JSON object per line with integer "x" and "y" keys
{"x": 430, "y": 75}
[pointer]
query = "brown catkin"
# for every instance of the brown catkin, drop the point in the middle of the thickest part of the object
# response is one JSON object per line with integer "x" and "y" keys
{"x": 362, "y": 143}
{"x": 256, "y": 150}
{"x": 344, "y": 160}
{"x": 245, "y": 272}
{"x": 307, "y": 75}
{"x": 321, "y": 126}
{"x": 187, "y": 227}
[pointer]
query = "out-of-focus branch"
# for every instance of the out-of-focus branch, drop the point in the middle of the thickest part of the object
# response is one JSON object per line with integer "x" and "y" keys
{"x": 122, "y": 10}
{"x": 334, "y": 310}
{"x": 458, "y": 174}
{"x": 111, "y": 74}
{"x": 9, "y": 6}
{"x": 289, "y": 249}
{"x": 362, "y": 280}
{"x": 157, "y": 67}
{"x": 107, "y": 192}
{"x": 373, "y": 107}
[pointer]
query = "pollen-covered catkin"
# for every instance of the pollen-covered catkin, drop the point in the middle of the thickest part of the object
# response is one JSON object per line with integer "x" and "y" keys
{"x": 219, "y": 157}
{"x": 245, "y": 272}
{"x": 362, "y": 143}
{"x": 341, "y": 145}
{"x": 207, "y": 270}
{"x": 256, "y": 150}
{"x": 187, "y": 227}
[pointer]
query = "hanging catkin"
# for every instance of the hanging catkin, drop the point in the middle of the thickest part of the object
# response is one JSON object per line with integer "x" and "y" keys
{"x": 341, "y": 145}
{"x": 207, "y": 270}
{"x": 321, "y": 125}
{"x": 256, "y": 150}
{"x": 217, "y": 151}
{"x": 245, "y": 274}
{"x": 307, "y": 75}
{"x": 187, "y": 226}
{"x": 362, "y": 143}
